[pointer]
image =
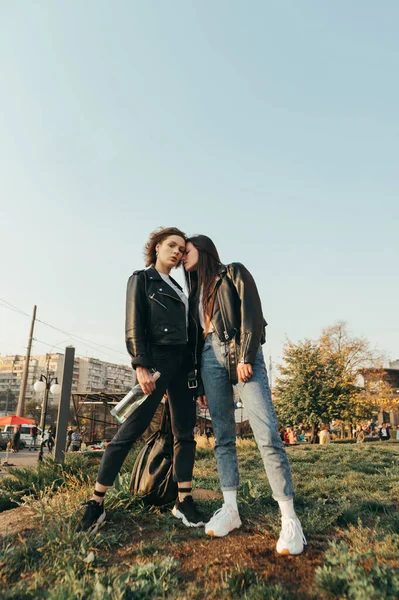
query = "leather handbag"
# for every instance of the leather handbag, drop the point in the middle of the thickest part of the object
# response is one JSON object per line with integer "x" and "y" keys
{"x": 152, "y": 474}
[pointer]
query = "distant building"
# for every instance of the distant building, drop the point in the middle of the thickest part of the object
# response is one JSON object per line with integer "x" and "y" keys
{"x": 391, "y": 377}
{"x": 89, "y": 374}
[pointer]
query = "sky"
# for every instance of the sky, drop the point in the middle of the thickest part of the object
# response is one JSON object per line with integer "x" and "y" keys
{"x": 270, "y": 125}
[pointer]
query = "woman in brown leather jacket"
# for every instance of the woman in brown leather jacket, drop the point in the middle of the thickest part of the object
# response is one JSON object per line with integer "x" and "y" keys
{"x": 156, "y": 337}
{"x": 231, "y": 328}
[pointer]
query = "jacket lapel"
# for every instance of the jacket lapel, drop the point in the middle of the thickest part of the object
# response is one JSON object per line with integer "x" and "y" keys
{"x": 221, "y": 272}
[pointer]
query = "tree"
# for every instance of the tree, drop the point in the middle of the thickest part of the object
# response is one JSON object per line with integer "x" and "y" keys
{"x": 353, "y": 356}
{"x": 34, "y": 410}
{"x": 320, "y": 380}
{"x": 306, "y": 390}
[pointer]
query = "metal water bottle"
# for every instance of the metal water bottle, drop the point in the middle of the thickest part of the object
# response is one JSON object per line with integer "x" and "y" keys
{"x": 131, "y": 401}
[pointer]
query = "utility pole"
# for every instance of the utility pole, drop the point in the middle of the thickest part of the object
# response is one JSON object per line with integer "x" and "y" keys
{"x": 22, "y": 391}
{"x": 65, "y": 401}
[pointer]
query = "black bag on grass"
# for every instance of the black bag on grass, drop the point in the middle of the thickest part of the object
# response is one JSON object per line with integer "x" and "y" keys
{"x": 152, "y": 474}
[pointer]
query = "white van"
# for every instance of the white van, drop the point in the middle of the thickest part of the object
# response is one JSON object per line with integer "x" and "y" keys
{"x": 25, "y": 434}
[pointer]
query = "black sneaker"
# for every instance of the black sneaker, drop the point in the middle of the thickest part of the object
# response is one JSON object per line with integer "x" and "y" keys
{"x": 188, "y": 513}
{"x": 94, "y": 515}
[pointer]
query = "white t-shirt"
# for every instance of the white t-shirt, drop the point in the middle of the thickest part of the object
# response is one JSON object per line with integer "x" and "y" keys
{"x": 201, "y": 313}
{"x": 178, "y": 291}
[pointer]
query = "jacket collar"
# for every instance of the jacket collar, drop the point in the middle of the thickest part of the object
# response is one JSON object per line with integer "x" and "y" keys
{"x": 222, "y": 270}
{"x": 153, "y": 275}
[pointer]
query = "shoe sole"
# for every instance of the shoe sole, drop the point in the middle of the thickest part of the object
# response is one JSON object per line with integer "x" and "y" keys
{"x": 179, "y": 515}
{"x": 211, "y": 533}
{"x": 286, "y": 552}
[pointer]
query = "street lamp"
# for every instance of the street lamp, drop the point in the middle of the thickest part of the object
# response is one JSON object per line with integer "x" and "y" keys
{"x": 46, "y": 384}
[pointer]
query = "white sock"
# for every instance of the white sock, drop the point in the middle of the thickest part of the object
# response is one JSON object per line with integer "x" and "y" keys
{"x": 287, "y": 509}
{"x": 230, "y": 498}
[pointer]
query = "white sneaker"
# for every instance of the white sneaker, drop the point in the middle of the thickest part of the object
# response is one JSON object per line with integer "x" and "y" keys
{"x": 223, "y": 521}
{"x": 291, "y": 538}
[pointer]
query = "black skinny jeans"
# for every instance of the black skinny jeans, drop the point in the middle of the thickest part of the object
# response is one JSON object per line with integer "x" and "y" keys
{"x": 172, "y": 363}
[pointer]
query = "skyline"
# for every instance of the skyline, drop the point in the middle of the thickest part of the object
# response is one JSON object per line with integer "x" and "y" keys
{"x": 273, "y": 129}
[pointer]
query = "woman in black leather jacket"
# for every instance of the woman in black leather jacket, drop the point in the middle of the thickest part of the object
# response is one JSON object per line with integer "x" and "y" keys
{"x": 156, "y": 337}
{"x": 227, "y": 309}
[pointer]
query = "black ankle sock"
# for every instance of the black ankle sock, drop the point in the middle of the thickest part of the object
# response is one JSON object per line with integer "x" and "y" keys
{"x": 99, "y": 495}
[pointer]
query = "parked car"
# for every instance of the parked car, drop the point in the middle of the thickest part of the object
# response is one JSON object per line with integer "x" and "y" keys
{"x": 25, "y": 435}
{"x": 4, "y": 439}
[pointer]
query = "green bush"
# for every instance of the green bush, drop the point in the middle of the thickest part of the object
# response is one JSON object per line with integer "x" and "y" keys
{"x": 49, "y": 475}
{"x": 349, "y": 574}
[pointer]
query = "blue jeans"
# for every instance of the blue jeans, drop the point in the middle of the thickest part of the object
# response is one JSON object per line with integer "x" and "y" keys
{"x": 256, "y": 397}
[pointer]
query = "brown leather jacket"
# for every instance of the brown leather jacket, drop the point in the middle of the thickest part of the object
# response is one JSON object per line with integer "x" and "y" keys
{"x": 237, "y": 316}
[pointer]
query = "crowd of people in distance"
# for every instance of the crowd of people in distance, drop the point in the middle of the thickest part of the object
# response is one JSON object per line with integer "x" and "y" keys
{"x": 294, "y": 435}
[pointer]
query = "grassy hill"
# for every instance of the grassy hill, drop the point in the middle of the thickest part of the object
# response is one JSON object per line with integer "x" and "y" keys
{"x": 347, "y": 497}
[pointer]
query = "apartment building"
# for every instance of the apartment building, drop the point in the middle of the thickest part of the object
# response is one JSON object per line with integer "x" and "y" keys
{"x": 89, "y": 374}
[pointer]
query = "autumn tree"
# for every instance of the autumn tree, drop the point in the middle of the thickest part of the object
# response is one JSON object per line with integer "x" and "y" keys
{"x": 320, "y": 380}
{"x": 353, "y": 356}
{"x": 308, "y": 390}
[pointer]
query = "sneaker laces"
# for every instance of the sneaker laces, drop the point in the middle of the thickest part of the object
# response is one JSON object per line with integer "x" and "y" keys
{"x": 289, "y": 528}
{"x": 224, "y": 509}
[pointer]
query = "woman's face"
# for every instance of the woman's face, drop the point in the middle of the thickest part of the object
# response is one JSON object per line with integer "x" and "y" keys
{"x": 190, "y": 258}
{"x": 171, "y": 250}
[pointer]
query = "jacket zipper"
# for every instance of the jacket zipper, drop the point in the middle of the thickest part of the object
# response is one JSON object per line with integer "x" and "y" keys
{"x": 196, "y": 341}
{"x": 226, "y": 335}
{"x": 179, "y": 300}
{"x": 158, "y": 302}
{"x": 169, "y": 296}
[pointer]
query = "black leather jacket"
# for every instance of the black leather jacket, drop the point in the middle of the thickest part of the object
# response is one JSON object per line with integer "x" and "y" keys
{"x": 154, "y": 315}
{"x": 237, "y": 316}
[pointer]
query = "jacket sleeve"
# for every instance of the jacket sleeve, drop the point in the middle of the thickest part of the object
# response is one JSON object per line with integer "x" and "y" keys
{"x": 252, "y": 321}
{"x": 137, "y": 321}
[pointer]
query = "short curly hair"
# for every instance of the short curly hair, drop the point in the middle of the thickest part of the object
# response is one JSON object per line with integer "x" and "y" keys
{"x": 156, "y": 237}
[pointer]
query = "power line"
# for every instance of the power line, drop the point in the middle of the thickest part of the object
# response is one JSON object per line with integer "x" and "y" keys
{"x": 44, "y": 343}
{"x": 14, "y": 309}
{"x": 81, "y": 339}
{"x": 88, "y": 343}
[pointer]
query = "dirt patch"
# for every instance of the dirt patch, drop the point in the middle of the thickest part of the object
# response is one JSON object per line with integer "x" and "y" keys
{"x": 210, "y": 558}
{"x": 202, "y": 494}
{"x": 16, "y": 520}
{"x": 207, "y": 562}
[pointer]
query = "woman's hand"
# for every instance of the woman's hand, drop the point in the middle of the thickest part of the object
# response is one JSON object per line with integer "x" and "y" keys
{"x": 244, "y": 372}
{"x": 145, "y": 380}
{"x": 202, "y": 401}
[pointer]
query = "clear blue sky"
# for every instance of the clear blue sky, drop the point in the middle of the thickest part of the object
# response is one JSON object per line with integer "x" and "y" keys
{"x": 271, "y": 126}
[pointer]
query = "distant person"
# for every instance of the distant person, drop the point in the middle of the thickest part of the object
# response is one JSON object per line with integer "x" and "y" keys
{"x": 315, "y": 435}
{"x": 360, "y": 435}
{"x": 324, "y": 435}
{"x": 76, "y": 440}
{"x": 45, "y": 437}
{"x": 16, "y": 438}
{"x": 68, "y": 438}
{"x": 384, "y": 433}
{"x": 292, "y": 437}
{"x": 397, "y": 433}
{"x": 33, "y": 437}
{"x": 51, "y": 438}
{"x": 301, "y": 436}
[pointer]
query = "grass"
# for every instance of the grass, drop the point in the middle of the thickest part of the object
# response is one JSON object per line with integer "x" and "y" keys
{"x": 346, "y": 497}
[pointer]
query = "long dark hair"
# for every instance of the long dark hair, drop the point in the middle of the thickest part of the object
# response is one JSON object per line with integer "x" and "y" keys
{"x": 207, "y": 268}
